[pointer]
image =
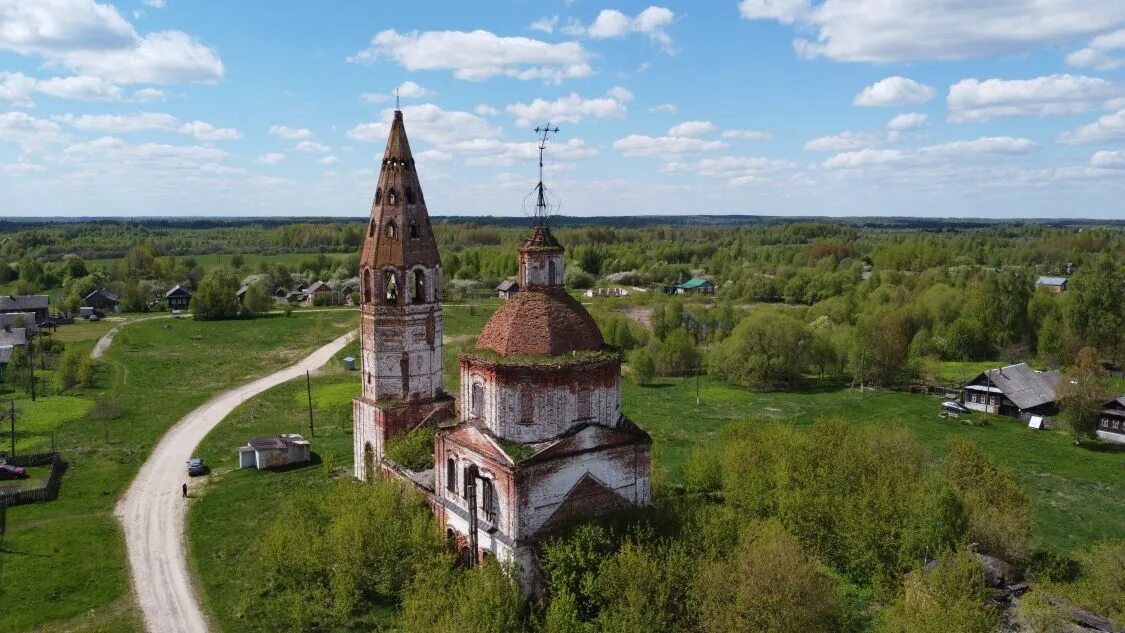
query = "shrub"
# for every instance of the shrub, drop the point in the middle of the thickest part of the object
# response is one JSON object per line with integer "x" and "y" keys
{"x": 953, "y": 596}
{"x": 414, "y": 450}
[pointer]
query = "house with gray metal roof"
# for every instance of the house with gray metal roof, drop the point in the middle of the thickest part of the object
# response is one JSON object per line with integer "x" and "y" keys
{"x": 1016, "y": 390}
{"x": 35, "y": 304}
{"x": 25, "y": 320}
{"x": 1051, "y": 284}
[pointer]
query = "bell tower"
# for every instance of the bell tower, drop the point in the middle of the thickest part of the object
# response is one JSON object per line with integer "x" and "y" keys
{"x": 401, "y": 322}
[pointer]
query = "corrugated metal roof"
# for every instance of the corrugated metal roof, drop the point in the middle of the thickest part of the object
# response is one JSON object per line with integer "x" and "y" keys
{"x": 1050, "y": 281}
{"x": 13, "y": 303}
{"x": 694, "y": 282}
{"x": 1024, "y": 386}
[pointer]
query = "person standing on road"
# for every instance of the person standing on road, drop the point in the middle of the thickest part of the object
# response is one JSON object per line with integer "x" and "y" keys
{"x": 185, "y": 491}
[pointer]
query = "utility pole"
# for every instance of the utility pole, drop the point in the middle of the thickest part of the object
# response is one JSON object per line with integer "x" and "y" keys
{"x": 42, "y": 355}
{"x": 31, "y": 366}
{"x": 698, "y": 371}
{"x": 308, "y": 385}
{"x": 13, "y": 415}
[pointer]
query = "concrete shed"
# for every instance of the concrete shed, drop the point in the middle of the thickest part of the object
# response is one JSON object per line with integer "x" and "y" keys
{"x": 274, "y": 452}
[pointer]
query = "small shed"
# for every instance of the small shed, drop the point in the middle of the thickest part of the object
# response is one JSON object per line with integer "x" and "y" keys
{"x": 1051, "y": 284}
{"x": 178, "y": 298}
{"x": 276, "y": 451}
{"x": 507, "y": 289}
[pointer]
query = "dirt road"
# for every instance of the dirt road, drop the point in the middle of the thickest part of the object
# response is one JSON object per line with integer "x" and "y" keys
{"x": 152, "y": 510}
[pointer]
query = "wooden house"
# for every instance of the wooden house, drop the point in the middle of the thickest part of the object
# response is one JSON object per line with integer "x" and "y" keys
{"x": 34, "y": 304}
{"x": 507, "y": 289}
{"x": 178, "y": 298}
{"x": 321, "y": 294}
{"x": 1017, "y": 391}
{"x": 13, "y": 336}
{"x": 102, "y": 299}
{"x": 1051, "y": 284}
{"x": 1111, "y": 424}
{"x": 25, "y": 320}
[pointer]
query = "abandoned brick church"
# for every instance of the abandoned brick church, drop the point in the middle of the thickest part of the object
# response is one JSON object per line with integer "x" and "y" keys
{"x": 536, "y": 437}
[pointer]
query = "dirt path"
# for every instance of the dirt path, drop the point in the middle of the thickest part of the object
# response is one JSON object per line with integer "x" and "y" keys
{"x": 107, "y": 339}
{"x": 152, "y": 510}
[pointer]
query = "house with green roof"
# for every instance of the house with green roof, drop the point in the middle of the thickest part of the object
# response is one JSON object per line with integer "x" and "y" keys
{"x": 696, "y": 285}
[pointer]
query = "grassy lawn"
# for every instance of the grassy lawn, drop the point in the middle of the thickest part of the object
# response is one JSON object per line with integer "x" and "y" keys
{"x": 62, "y": 564}
{"x": 1077, "y": 493}
{"x": 233, "y": 507}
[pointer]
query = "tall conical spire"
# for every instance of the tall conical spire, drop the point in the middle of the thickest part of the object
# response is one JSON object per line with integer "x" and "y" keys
{"x": 399, "y": 233}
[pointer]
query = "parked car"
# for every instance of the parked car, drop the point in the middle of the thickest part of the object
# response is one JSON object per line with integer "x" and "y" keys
{"x": 954, "y": 407}
{"x": 195, "y": 466}
{"x": 12, "y": 472}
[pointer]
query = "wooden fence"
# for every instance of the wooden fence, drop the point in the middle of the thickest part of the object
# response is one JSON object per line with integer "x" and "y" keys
{"x": 48, "y": 492}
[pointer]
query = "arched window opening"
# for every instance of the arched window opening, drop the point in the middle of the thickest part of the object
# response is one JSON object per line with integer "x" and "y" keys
{"x": 368, "y": 462}
{"x": 469, "y": 481}
{"x": 378, "y": 195}
{"x": 451, "y": 475}
{"x": 527, "y": 406}
{"x": 371, "y": 229}
{"x": 584, "y": 404}
{"x": 551, "y": 272}
{"x": 410, "y": 195}
{"x": 390, "y": 287}
{"x": 413, "y": 230}
{"x": 419, "y": 286}
{"x": 478, "y": 399}
{"x": 392, "y": 230}
{"x": 392, "y": 195}
{"x": 488, "y": 500}
{"x": 367, "y": 291}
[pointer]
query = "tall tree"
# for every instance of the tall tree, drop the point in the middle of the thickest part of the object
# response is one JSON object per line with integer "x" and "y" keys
{"x": 1096, "y": 306}
{"x": 1083, "y": 391}
{"x": 216, "y": 297}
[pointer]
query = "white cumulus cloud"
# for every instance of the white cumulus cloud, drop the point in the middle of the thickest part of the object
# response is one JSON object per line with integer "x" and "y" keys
{"x": 478, "y": 55}
{"x": 747, "y": 135}
{"x": 842, "y": 142}
{"x": 663, "y": 108}
{"x": 664, "y": 146}
{"x": 908, "y": 30}
{"x": 427, "y": 123}
{"x": 894, "y": 91}
{"x": 571, "y": 108}
{"x": 972, "y": 100}
{"x": 1110, "y": 127}
{"x": 692, "y": 128}
{"x": 653, "y": 22}
{"x": 290, "y": 133}
{"x": 271, "y": 158}
{"x": 1098, "y": 54}
{"x": 1108, "y": 160}
{"x": 906, "y": 122}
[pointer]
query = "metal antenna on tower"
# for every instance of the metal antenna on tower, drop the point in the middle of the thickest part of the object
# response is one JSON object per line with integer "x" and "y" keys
{"x": 541, "y": 203}
{"x": 396, "y": 100}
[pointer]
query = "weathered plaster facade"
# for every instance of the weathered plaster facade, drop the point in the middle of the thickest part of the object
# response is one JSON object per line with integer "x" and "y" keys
{"x": 400, "y": 325}
{"x": 540, "y": 440}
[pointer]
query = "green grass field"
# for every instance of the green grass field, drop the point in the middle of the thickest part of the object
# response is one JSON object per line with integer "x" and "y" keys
{"x": 1077, "y": 493}
{"x": 62, "y": 564}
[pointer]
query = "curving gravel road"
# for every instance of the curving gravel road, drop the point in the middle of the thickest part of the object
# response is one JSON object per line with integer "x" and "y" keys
{"x": 152, "y": 510}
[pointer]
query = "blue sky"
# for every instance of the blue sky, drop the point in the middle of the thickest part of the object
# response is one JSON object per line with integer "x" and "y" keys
{"x": 781, "y": 107}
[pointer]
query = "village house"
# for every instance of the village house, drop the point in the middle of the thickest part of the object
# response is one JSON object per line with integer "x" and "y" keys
{"x": 507, "y": 289}
{"x": 321, "y": 294}
{"x": 276, "y": 451}
{"x": 34, "y": 304}
{"x": 13, "y": 336}
{"x": 1051, "y": 284}
{"x": 695, "y": 285}
{"x": 1111, "y": 424}
{"x": 1017, "y": 391}
{"x": 102, "y": 299}
{"x": 616, "y": 291}
{"x": 25, "y": 320}
{"x": 540, "y": 439}
{"x": 178, "y": 298}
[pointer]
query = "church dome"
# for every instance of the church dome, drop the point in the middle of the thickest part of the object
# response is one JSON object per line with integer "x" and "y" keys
{"x": 541, "y": 322}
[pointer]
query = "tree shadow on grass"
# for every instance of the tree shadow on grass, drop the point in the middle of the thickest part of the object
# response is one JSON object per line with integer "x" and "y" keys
{"x": 1102, "y": 447}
